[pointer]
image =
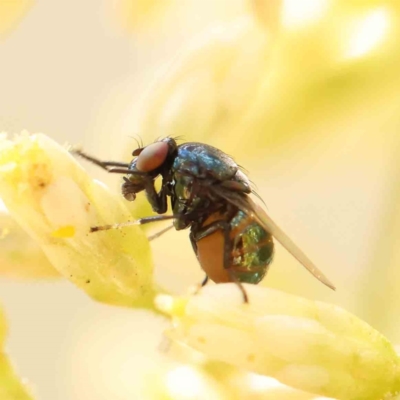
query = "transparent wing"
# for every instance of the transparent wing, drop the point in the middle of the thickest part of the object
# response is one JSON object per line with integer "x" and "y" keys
{"x": 244, "y": 203}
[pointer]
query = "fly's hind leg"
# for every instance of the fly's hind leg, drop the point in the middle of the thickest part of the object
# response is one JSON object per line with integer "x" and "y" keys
{"x": 239, "y": 285}
{"x": 204, "y": 281}
{"x": 194, "y": 246}
{"x": 159, "y": 233}
{"x": 226, "y": 229}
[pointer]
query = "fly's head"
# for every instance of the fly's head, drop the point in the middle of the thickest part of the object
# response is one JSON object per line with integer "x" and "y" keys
{"x": 149, "y": 162}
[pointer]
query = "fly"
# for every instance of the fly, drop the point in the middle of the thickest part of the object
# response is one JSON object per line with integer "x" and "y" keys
{"x": 231, "y": 236}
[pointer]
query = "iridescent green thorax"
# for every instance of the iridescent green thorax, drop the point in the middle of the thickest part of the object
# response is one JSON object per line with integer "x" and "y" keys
{"x": 183, "y": 203}
{"x": 194, "y": 168}
{"x": 253, "y": 249}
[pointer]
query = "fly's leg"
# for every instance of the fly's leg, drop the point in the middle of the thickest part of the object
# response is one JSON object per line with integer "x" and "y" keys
{"x": 159, "y": 233}
{"x": 239, "y": 284}
{"x": 201, "y": 285}
{"x": 141, "y": 221}
{"x": 116, "y": 167}
{"x": 158, "y": 201}
{"x": 106, "y": 165}
{"x": 226, "y": 229}
{"x": 204, "y": 282}
{"x": 193, "y": 243}
{"x": 194, "y": 246}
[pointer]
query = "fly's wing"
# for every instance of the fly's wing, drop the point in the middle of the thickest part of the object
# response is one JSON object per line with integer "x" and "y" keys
{"x": 244, "y": 203}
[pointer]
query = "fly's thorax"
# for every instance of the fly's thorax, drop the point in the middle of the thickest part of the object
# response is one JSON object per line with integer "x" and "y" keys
{"x": 204, "y": 161}
{"x": 181, "y": 200}
{"x": 188, "y": 211}
{"x": 183, "y": 187}
{"x": 187, "y": 199}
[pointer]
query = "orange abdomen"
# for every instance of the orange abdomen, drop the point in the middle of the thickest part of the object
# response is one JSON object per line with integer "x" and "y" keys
{"x": 252, "y": 250}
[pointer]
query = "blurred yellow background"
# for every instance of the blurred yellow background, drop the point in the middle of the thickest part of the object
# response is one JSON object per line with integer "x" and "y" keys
{"x": 304, "y": 94}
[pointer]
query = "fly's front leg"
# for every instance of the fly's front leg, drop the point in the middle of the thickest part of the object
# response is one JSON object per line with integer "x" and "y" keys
{"x": 158, "y": 201}
{"x": 106, "y": 165}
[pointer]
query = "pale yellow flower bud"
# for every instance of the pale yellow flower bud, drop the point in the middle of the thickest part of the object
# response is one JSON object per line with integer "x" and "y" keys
{"x": 56, "y": 202}
{"x": 10, "y": 386}
{"x": 20, "y": 256}
{"x": 312, "y": 346}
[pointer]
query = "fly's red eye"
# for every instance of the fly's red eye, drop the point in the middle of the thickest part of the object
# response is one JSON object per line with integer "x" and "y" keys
{"x": 152, "y": 156}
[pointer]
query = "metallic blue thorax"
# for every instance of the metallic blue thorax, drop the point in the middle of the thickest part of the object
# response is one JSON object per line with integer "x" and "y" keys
{"x": 203, "y": 161}
{"x": 195, "y": 167}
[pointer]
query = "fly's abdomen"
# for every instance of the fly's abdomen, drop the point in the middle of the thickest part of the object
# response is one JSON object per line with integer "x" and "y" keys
{"x": 253, "y": 249}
